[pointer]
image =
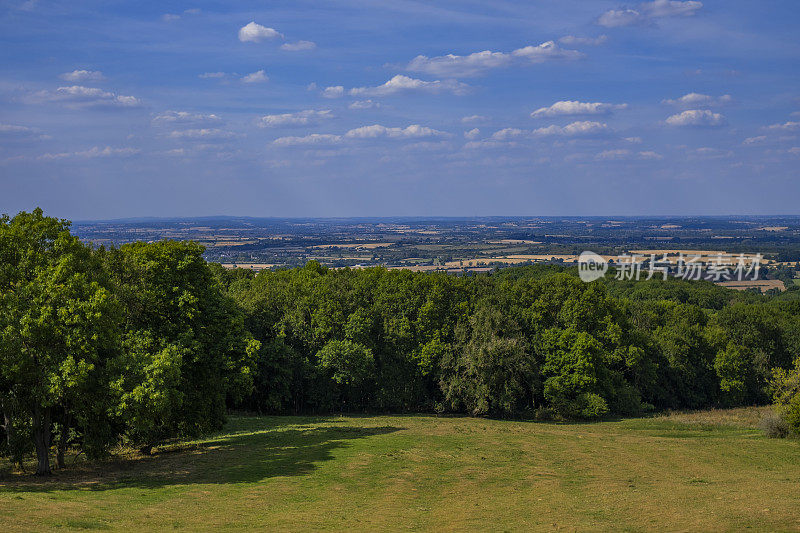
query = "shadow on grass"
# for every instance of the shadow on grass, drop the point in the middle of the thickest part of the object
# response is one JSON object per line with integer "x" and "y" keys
{"x": 253, "y": 452}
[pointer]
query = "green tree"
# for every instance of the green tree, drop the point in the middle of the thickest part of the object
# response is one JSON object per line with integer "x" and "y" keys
{"x": 786, "y": 393}
{"x": 188, "y": 351}
{"x": 491, "y": 371}
{"x": 58, "y": 335}
{"x": 349, "y": 365}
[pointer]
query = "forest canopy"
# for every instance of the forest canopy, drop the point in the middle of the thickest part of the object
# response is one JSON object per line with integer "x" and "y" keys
{"x": 148, "y": 342}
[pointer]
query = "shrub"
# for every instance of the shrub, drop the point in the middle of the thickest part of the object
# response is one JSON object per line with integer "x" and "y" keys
{"x": 786, "y": 387}
{"x": 774, "y": 426}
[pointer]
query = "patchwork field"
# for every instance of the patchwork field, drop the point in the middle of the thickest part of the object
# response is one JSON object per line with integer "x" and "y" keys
{"x": 697, "y": 471}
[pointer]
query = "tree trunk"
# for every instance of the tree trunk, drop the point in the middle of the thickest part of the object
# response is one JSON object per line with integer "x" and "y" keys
{"x": 63, "y": 440}
{"x": 8, "y": 429}
{"x": 41, "y": 438}
{"x": 62, "y": 446}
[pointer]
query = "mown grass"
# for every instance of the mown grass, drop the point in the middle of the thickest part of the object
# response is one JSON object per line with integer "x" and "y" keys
{"x": 682, "y": 471}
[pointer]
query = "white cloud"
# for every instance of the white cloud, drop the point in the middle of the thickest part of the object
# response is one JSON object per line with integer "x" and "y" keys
{"x": 507, "y": 134}
{"x": 258, "y": 76}
{"x": 93, "y": 153}
{"x": 301, "y": 118}
{"x": 376, "y": 131}
{"x": 459, "y": 66}
{"x": 634, "y": 140}
{"x": 786, "y": 126}
{"x": 184, "y": 117}
{"x": 650, "y": 155}
{"x": 571, "y": 40}
{"x": 207, "y": 75}
{"x": 202, "y": 134}
{"x": 364, "y": 104}
{"x": 472, "y": 134}
{"x": 400, "y": 84}
{"x": 83, "y": 75}
{"x": 620, "y": 17}
{"x": 299, "y": 46}
{"x": 336, "y": 91}
{"x": 647, "y": 12}
{"x": 478, "y": 63}
{"x": 314, "y": 138}
{"x": 255, "y": 33}
{"x": 474, "y": 118}
{"x": 572, "y": 107}
{"x": 697, "y": 99}
{"x": 697, "y": 118}
{"x": 670, "y": 8}
{"x": 13, "y": 129}
{"x": 755, "y": 140}
{"x": 575, "y": 129}
{"x": 80, "y": 96}
{"x": 169, "y": 17}
{"x": 545, "y": 52}
{"x": 711, "y": 153}
{"x": 627, "y": 155}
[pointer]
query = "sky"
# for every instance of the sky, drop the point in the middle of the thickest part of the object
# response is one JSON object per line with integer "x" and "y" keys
{"x": 399, "y": 108}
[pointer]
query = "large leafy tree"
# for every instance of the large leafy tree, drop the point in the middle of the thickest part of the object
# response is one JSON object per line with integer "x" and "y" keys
{"x": 58, "y": 336}
{"x": 187, "y": 348}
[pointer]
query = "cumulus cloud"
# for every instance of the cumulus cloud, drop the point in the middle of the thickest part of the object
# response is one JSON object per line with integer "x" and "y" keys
{"x": 478, "y": 63}
{"x": 337, "y": 91}
{"x": 573, "y": 107}
{"x": 474, "y": 118}
{"x": 11, "y": 128}
{"x": 93, "y": 153}
{"x": 401, "y": 84}
{"x": 409, "y": 132}
{"x": 459, "y": 66}
{"x": 299, "y": 46}
{"x": 364, "y": 104}
{"x": 314, "y": 138}
{"x": 80, "y": 96}
{"x": 571, "y": 40}
{"x": 786, "y": 126}
{"x": 575, "y": 129}
{"x": 83, "y": 75}
{"x": 184, "y": 117}
{"x": 258, "y": 76}
{"x": 301, "y": 118}
{"x": 472, "y": 134}
{"x": 206, "y": 134}
{"x": 627, "y": 155}
{"x": 755, "y": 140}
{"x": 375, "y": 131}
{"x": 255, "y": 33}
{"x": 507, "y": 134}
{"x": 697, "y": 118}
{"x": 697, "y": 99}
{"x": 14, "y": 132}
{"x": 710, "y": 153}
{"x": 545, "y": 52}
{"x": 647, "y": 12}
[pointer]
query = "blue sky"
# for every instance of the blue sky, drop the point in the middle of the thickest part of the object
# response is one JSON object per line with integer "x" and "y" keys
{"x": 369, "y": 108}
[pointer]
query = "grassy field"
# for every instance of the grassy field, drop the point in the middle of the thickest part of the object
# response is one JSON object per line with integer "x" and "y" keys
{"x": 695, "y": 471}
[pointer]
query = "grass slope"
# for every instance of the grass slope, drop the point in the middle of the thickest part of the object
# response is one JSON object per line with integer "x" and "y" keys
{"x": 697, "y": 471}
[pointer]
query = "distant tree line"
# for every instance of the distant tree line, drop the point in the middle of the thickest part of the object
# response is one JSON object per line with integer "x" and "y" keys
{"x": 148, "y": 342}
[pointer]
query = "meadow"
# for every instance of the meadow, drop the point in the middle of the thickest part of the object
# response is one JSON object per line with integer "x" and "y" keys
{"x": 709, "y": 470}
